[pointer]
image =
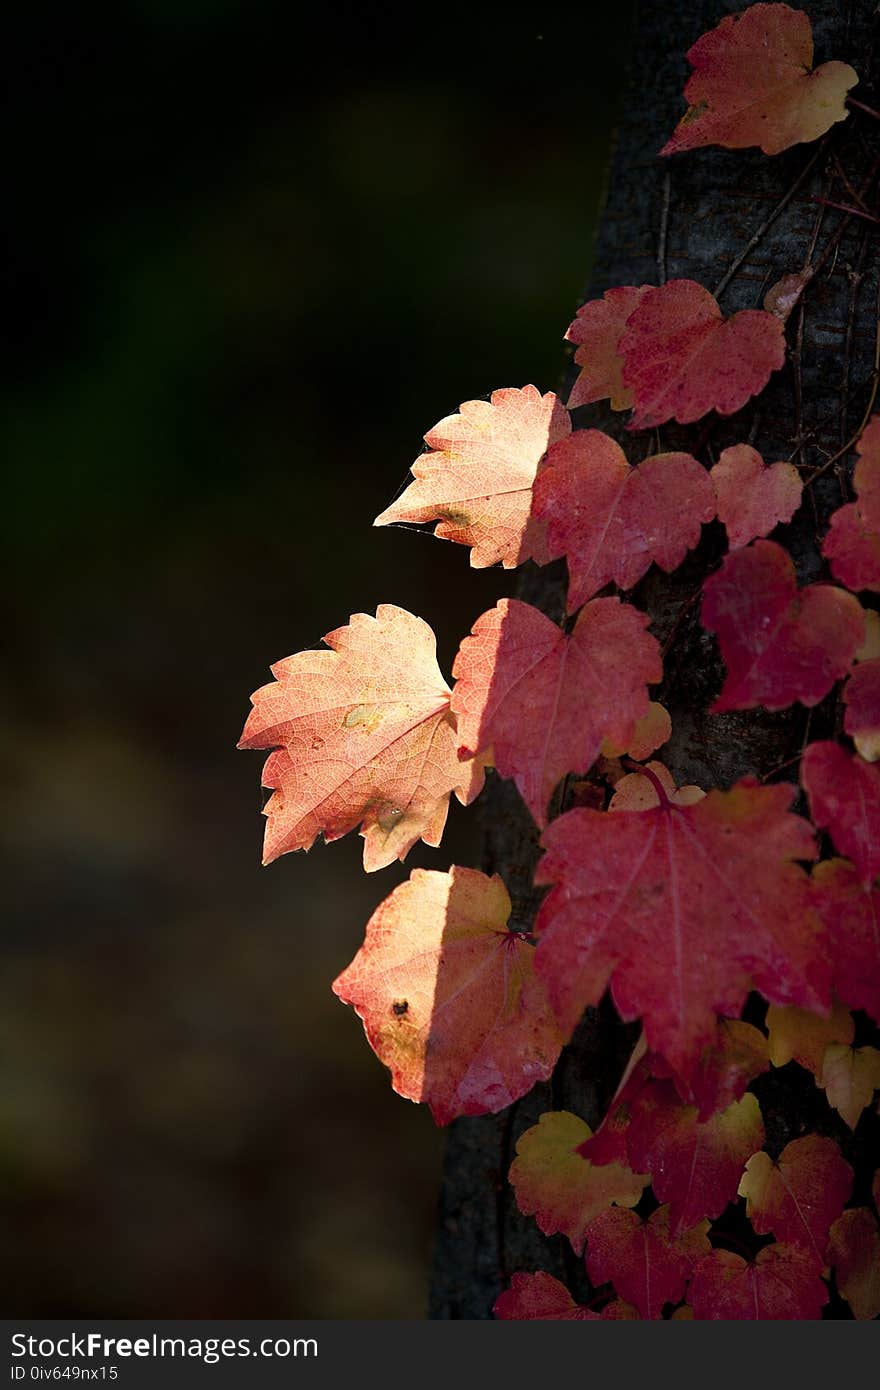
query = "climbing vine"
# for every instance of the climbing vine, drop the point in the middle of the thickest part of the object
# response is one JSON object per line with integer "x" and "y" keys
{"x": 738, "y": 927}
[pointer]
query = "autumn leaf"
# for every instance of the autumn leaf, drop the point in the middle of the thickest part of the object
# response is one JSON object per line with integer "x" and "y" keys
{"x": 866, "y": 475}
{"x": 785, "y": 294}
{"x": 800, "y": 1036}
{"x": 612, "y": 521}
{"x": 636, "y": 791}
{"x": 797, "y": 1197}
{"x": 363, "y": 737}
{"x": 850, "y": 909}
{"x": 682, "y": 358}
{"x": 694, "y": 1167}
{"x": 861, "y": 695}
{"x": 597, "y": 330}
{"x": 778, "y": 642}
{"x": 852, "y": 546}
{"x": 448, "y": 995}
{"x": 563, "y": 1191}
{"x": 680, "y": 909}
{"x": 752, "y": 499}
{"x": 608, "y": 1144}
{"x": 726, "y": 1067}
{"x": 477, "y": 480}
{"x": 780, "y": 1284}
{"x": 541, "y": 1296}
{"x": 545, "y": 701}
{"x": 648, "y": 1264}
{"x": 854, "y": 1253}
{"x": 844, "y": 796}
{"x": 651, "y": 732}
{"x": 850, "y": 1076}
{"x": 753, "y": 83}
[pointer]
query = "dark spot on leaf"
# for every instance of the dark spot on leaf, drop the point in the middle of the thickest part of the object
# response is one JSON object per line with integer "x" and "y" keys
{"x": 400, "y": 1007}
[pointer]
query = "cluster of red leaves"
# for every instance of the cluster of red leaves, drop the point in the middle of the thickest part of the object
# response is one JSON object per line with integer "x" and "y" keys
{"x": 679, "y": 902}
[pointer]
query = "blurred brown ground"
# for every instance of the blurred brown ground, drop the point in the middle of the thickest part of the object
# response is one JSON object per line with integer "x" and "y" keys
{"x": 255, "y": 254}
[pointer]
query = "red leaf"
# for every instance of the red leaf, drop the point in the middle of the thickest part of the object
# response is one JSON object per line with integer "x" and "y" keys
{"x": 597, "y": 330}
{"x": 844, "y": 796}
{"x": 779, "y": 643}
{"x": 781, "y": 1284}
{"x": 448, "y": 996}
{"x": 608, "y": 1144}
{"x": 852, "y": 545}
{"x": 726, "y": 1067}
{"x": 854, "y": 1251}
{"x": 612, "y": 521}
{"x": 545, "y": 701}
{"x": 681, "y": 908}
{"x": 800, "y": 1036}
{"x": 648, "y": 1264}
{"x": 861, "y": 695}
{"x": 695, "y": 1167}
{"x": 540, "y": 1296}
{"x": 866, "y": 476}
{"x": 752, "y": 499}
{"x": 364, "y": 737}
{"x": 563, "y": 1191}
{"x": 752, "y": 84}
{"x": 799, "y": 1195}
{"x": 477, "y": 481}
{"x": 850, "y": 910}
{"x": 850, "y": 1076}
{"x": 682, "y": 358}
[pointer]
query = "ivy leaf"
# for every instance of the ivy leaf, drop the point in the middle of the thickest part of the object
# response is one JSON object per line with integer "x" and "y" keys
{"x": 541, "y": 1296}
{"x": 752, "y": 499}
{"x": 850, "y": 1076}
{"x": 477, "y": 480}
{"x": 448, "y": 995}
{"x": 800, "y": 1036}
{"x": 636, "y": 791}
{"x": 854, "y": 1252}
{"x": 647, "y": 1262}
{"x": 844, "y": 797}
{"x": 797, "y": 1197}
{"x": 545, "y": 701}
{"x": 861, "y": 696}
{"x": 651, "y": 732}
{"x": 694, "y": 1167}
{"x": 608, "y": 1144}
{"x": 850, "y": 910}
{"x": 780, "y": 1284}
{"x": 563, "y": 1191}
{"x": 726, "y": 1067}
{"x": 682, "y": 358}
{"x": 681, "y": 908}
{"x": 610, "y": 520}
{"x": 852, "y": 546}
{"x": 597, "y": 330}
{"x": 753, "y": 83}
{"x": 364, "y": 737}
{"x": 779, "y": 643}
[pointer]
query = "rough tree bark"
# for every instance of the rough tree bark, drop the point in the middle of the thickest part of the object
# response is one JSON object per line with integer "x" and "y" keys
{"x": 736, "y": 222}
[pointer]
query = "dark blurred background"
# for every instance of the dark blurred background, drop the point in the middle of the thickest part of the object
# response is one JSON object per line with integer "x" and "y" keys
{"x": 256, "y": 251}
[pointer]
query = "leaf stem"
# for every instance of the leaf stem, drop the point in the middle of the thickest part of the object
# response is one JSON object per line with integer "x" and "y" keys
{"x": 652, "y": 777}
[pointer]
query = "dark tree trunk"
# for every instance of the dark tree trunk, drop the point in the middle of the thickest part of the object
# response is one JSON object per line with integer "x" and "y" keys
{"x": 703, "y": 216}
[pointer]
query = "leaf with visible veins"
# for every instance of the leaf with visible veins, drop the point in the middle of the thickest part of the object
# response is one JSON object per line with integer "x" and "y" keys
{"x": 682, "y": 358}
{"x": 612, "y": 521}
{"x": 682, "y": 909}
{"x": 753, "y": 83}
{"x": 648, "y": 1264}
{"x": 363, "y": 737}
{"x": 694, "y": 1167}
{"x": 545, "y": 701}
{"x": 448, "y": 995}
{"x": 752, "y": 499}
{"x": 778, "y": 642}
{"x": 563, "y": 1191}
{"x": 780, "y": 1284}
{"x": 844, "y": 796}
{"x": 597, "y": 330}
{"x": 797, "y": 1197}
{"x": 850, "y": 909}
{"x": 476, "y": 482}
{"x": 850, "y": 1076}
